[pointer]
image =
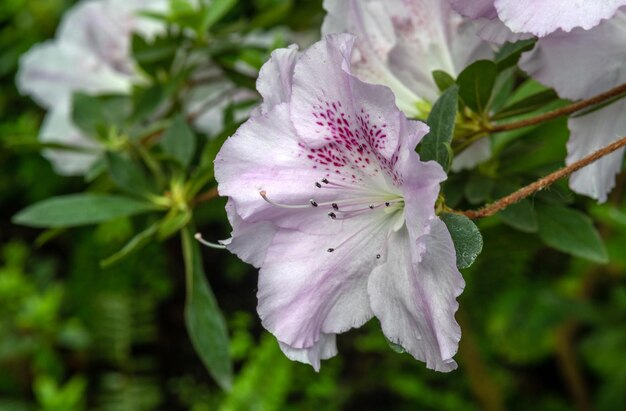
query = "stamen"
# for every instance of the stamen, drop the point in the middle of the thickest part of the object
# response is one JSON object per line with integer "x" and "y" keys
{"x": 335, "y": 206}
{"x": 330, "y": 250}
{"x": 332, "y": 215}
{"x": 325, "y": 180}
{"x": 318, "y": 185}
{"x": 263, "y": 194}
{"x": 202, "y": 241}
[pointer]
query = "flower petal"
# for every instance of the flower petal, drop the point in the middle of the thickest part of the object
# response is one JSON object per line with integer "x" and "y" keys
{"x": 306, "y": 291}
{"x": 475, "y": 8}
{"x": 416, "y": 301}
{"x": 276, "y": 77}
{"x": 393, "y": 35}
{"x": 588, "y": 134}
{"x": 544, "y": 17}
{"x": 57, "y": 128}
{"x": 51, "y": 72}
{"x": 324, "y": 349}
{"x": 582, "y": 63}
{"x": 472, "y": 156}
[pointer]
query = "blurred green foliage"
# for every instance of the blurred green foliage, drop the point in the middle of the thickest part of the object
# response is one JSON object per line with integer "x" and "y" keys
{"x": 542, "y": 330}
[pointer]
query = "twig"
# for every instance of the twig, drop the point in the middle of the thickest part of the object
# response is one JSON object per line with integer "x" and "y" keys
{"x": 563, "y": 111}
{"x": 544, "y": 182}
{"x": 206, "y": 196}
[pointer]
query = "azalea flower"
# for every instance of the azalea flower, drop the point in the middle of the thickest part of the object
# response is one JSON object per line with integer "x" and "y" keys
{"x": 400, "y": 43}
{"x": 91, "y": 54}
{"x": 579, "y": 65}
{"x": 328, "y": 197}
{"x": 538, "y": 18}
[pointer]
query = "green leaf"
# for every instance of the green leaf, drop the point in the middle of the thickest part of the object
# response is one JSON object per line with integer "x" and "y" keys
{"x": 443, "y": 80}
{"x": 204, "y": 320}
{"x": 79, "y": 209}
{"x": 468, "y": 242}
{"x": 572, "y": 232}
{"x": 435, "y": 145}
{"x": 478, "y": 188}
{"x": 135, "y": 244}
{"x": 95, "y": 114}
{"x": 521, "y": 215}
{"x": 527, "y": 105}
{"x": 215, "y": 11}
{"x": 476, "y": 84}
{"x": 173, "y": 223}
{"x": 179, "y": 141}
{"x": 509, "y": 53}
{"x": 128, "y": 175}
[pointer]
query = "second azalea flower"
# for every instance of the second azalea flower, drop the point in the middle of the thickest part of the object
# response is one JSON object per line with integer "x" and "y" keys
{"x": 328, "y": 197}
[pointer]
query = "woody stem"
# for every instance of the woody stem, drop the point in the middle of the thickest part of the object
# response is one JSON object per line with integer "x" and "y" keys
{"x": 563, "y": 111}
{"x": 544, "y": 182}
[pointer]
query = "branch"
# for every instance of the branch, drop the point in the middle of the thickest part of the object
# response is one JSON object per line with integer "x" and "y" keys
{"x": 544, "y": 182}
{"x": 563, "y": 111}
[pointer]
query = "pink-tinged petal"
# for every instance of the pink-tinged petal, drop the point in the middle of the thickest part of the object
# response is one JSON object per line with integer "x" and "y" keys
{"x": 588, "y": 134}
{"x": 276, "y": 77}
{"x": 416, "y": 301}
{"x": 324, "y": 349}
{"x": 306, "y": 291}
{"x": 249, "y": 241}
{"x": 581, "y": 63}
{"x": 544, "y": 17}
{"x": 393, "y": 35}
{"x": 475, "y": 9}
{"x": 494, "y": 31}
{"x": 98, "y": 30}
{"x": 472, "y": 156}
{"x": 51, "y": 72}
{"x": 57, "y": 128}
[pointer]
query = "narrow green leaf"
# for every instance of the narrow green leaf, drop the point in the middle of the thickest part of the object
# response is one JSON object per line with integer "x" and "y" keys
{"x": 215, "y": 11}
{"x": 476, "y": 84}
{"x": 135, "y": 244}
{"x": 79, "y": 209}
{"x": 203, "y": 318}
{"x": 128, "y": 175}
{"x": 179, "y": 141}
{"x": 527, "y": 105}
{"x": 572, "y": 232}
{"x": 468, "y": 242}
{"x": 443, "y": 80}
{"x": 441, "y": 122}
{"x": 173, "y": 223}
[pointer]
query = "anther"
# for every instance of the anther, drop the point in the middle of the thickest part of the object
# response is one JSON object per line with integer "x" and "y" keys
{"x": 335, "y": 206}
{"x": 330, "y": 250}
{"x": 318, "y": 185}
{"x": 387, "y": 203}
{"x": 371, "y": 206}
{"x": 332, "y": 215}
{"x": 313, "y": 203}
{"x": 378, "y": 256}
{"x": 325, "y": 180}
